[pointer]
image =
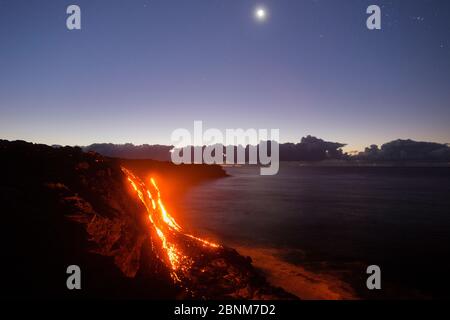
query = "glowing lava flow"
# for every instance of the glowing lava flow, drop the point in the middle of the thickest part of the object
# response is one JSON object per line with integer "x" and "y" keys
{"x": 179, "y": 262}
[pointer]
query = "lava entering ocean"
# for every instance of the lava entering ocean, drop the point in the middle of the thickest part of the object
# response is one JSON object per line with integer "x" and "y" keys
{"x": 169, "y": 232}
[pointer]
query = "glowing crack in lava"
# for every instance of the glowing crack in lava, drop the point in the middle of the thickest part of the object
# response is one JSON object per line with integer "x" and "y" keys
{"x": 167, "y": 229}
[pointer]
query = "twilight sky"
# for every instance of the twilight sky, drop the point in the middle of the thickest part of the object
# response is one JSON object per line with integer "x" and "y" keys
{"x": 139, "y": 69}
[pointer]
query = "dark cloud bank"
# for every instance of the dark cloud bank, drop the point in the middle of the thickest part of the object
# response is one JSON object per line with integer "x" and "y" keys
{"x": 309, "y": 149}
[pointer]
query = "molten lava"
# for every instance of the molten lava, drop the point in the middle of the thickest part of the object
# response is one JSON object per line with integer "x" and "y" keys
{"x": 167, "y": 229}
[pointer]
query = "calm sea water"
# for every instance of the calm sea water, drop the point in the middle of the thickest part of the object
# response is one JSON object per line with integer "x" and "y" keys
{"x": 337, "y": 220}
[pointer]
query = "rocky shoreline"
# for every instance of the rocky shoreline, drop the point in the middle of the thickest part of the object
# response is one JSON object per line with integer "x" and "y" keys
{"x": 63, "y": 206}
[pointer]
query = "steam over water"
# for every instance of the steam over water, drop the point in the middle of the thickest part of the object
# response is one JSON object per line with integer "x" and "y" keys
{"x": 314, "y": 230}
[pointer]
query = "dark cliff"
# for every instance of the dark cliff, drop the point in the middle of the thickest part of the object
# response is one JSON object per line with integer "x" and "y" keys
{"x": 61, "y": 206}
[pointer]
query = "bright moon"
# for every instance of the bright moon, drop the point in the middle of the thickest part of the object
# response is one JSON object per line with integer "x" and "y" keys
{"x": 260, "y": 14}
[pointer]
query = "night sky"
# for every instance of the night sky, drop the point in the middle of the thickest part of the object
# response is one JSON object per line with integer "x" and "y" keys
{"x": 139, "y": 69}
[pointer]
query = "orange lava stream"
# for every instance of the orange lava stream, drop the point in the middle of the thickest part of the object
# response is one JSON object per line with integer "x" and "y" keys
{"x": 162, "y": 221}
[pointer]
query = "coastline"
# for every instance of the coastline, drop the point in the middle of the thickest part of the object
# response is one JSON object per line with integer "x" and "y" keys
{"x": 305, "y": 284}
{"x": 81, "y": 210}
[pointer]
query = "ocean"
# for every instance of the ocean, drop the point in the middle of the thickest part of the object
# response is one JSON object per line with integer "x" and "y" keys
{"x": 314, "y": 230}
